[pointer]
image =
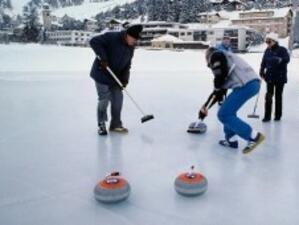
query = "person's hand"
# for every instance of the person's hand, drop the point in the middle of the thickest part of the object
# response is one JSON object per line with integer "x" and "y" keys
{"x": 262, "y": 74}
{"x": 219, "y": 95}
{"x": 203, "y": 113}
{"x": 124, "y": 84}
{"x": 103, "y": 64}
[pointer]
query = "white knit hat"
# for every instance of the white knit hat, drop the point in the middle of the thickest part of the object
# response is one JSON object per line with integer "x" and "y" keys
{"x": 272, "y": 36}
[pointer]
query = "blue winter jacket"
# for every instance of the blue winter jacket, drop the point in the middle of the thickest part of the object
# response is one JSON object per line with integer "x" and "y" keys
{"x": 112, "y": 48}
{"x": 274, "y": 64}
{"x": 224, "y": 48}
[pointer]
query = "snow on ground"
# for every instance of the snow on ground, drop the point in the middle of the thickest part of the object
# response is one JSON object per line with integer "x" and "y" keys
{"x": 51, "y": 156}
{"x": 89, "y": 9}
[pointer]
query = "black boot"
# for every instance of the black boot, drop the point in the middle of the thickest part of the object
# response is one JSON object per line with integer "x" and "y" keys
{"x": 102, "y": 129}
{"x": 265, "y": 120}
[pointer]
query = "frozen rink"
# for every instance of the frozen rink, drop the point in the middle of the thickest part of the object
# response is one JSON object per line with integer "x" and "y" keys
{"x": 51, "y": 156}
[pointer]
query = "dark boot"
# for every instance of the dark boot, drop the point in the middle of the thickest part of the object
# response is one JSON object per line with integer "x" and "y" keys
{"x": 102, "y": 129}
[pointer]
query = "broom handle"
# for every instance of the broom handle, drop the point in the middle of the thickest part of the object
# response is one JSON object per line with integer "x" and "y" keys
{"x": 122, "y": 86}
{"x": 256, "y": 102}
{"x": 125, "y": 90}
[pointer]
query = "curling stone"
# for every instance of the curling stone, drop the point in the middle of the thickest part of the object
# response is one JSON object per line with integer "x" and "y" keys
{"x": 112, "y": 189}
{"x": 191, "y": 183}
{"x": 197, "y": 128}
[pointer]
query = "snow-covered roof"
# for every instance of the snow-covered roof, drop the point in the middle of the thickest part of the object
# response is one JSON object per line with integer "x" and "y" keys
{"x": 213, "y": 13}
{"x": 167, "y": 38}
{"x": 277, "y": 13}
{"x": 158, "y": 23}
{"x": 216, "y": 1}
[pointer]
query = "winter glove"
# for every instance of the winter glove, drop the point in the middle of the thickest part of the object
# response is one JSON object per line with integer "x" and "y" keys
{"x": 262, "y": 73}
{"x": 203, "y": 113}
{"x": 219, "y": 94}
{"x": 103, "y": 64}
{"x": 124, "y": 84}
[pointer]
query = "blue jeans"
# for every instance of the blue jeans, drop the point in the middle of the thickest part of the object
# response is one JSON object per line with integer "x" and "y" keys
{"x": 227, "y": 114}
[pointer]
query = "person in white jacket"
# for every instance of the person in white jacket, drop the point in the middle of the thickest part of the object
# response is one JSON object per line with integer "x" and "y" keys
{"x": 232, "y": 72}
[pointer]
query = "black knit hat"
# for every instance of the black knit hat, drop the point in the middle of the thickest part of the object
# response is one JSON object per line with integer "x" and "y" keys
{"x": 135, "y": 31}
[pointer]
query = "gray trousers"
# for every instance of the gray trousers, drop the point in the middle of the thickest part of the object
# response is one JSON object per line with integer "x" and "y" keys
{"x": 108, "y": 94}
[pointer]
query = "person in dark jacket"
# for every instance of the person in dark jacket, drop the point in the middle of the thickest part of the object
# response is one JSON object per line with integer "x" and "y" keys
{"x": 114, "y": 50}
{"x": 274, "y": 71}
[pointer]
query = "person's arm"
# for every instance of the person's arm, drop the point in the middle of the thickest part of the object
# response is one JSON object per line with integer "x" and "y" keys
{"x": 99, "y": 45}
{"x": 285, "y": 56}
{"x": 125, "y": 74}
{"x": 219, "y": 67}
{"x": 282, "y": 57}
{"x": 263, "y": 66}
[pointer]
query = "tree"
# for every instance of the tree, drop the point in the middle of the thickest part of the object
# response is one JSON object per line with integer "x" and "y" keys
{"x": 152, "y": 12}
{"x": 185, "y": 11}
{"x": 32, "y": 26}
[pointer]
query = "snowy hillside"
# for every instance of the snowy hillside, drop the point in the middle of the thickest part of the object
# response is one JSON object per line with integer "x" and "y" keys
{"x": 18, "y": 5}
{"x": 89, "y": 9}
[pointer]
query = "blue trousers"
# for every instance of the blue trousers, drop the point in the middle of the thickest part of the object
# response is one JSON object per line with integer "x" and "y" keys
{"x": 227, "y": 114}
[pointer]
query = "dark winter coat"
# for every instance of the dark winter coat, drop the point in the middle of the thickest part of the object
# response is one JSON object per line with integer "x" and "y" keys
{"x": 112, "y": 48}
{"x": 274, "y": 64}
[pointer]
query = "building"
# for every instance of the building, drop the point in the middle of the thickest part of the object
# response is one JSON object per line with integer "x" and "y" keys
{"x": 116, "y": 25}
{"x": 50, "y": 22}
{"x": 231, "y": 5}
{"x": 69, "y": 37}
{"x": 276, "y": 20}
{"x": 165, "y": 41}
{"x": 168, "y": 41}
{"x": 5, "y": 36}
{"x": 197, "y": 36}
{"x": 46, "y": 16}
{"x": 91, "y": 25}
{"x": 241, "y": 37}
{"x": 209, "y": 17}
{"x": 155, "y": 29}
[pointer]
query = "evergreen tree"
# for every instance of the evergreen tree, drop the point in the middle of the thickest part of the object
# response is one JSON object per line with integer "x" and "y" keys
{"x": 152, "y": 10}
{"x": 185, "y": 11}
{"x": 8, "y": 4}
{"x": 32, "y": 26}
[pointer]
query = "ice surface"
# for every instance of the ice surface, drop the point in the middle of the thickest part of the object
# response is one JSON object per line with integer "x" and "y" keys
{"x": 51, "y": 156}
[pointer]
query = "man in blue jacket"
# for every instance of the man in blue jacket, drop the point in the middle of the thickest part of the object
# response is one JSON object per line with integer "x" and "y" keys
{"x": 115, "y": 49}
{"x": 274, "y": 71}
{"x": 225, "y": 45}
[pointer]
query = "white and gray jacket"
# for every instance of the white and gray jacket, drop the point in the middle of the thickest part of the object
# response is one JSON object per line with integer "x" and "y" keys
{"x": 230, "y": 71}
